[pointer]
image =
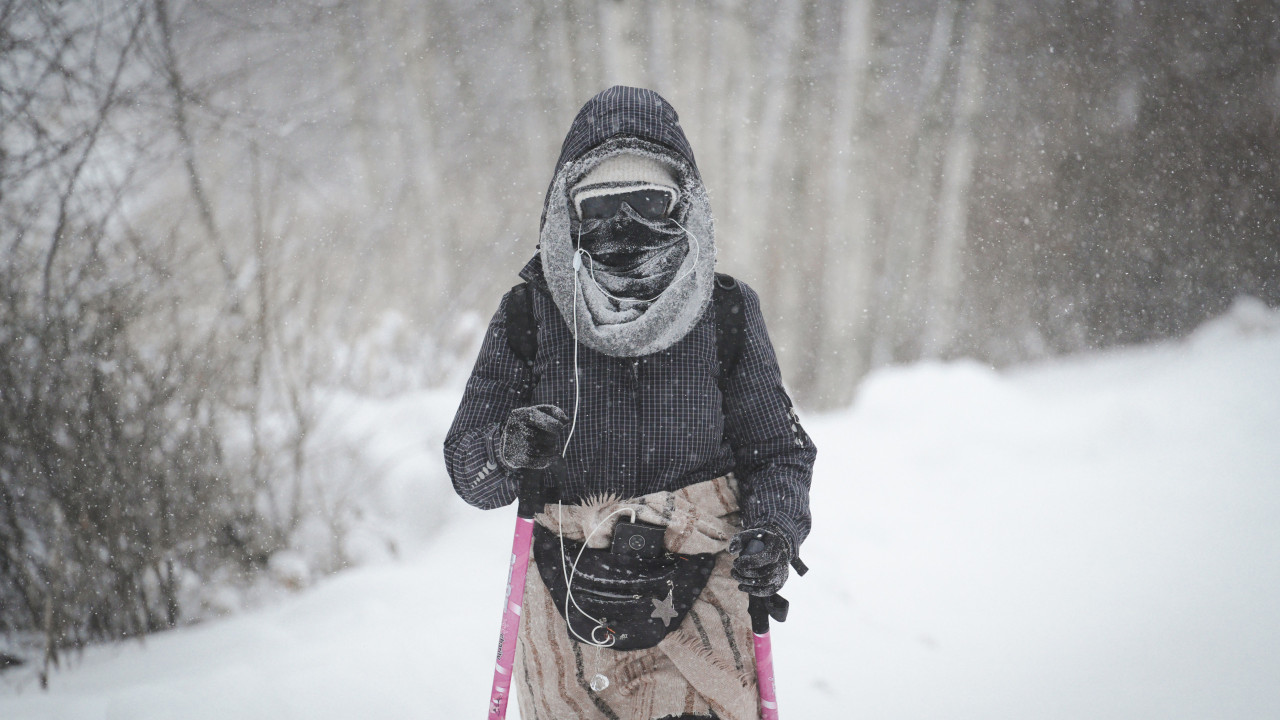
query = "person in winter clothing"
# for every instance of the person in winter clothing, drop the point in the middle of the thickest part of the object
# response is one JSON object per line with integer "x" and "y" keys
{"x": 628, "y": 402}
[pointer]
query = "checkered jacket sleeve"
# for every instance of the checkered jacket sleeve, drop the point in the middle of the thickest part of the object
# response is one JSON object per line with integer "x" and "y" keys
{"x": 774, "y": 456}
{"x": 499, "y": 382}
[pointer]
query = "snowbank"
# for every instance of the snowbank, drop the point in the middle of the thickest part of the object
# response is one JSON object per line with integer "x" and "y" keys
{"x": 1093, "y": 538}
{"x": 1097, "y": 538}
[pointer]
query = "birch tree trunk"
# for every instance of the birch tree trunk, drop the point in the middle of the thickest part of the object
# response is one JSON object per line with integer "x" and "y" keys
{"x": 845, "y": 272}
{"x": 585, "y": 64}
{"x": 709, "y": 102}
{"x": 897, "y": 317}
{"x": 620, "y": 48}
{"x": 656, "y": 63}
{"x": 947, "y": 268}
{"x": 734, "y": 212}
{"x": 800, "y": 243}
{"x": 775, "y": 98}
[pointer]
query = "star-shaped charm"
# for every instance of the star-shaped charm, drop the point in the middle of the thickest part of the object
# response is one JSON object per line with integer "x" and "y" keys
{"x": 665, "y": 610}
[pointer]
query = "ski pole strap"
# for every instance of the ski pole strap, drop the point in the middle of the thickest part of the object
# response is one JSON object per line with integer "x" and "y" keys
{"x": 762, "y": 608}
{"x": 799, "y": 566}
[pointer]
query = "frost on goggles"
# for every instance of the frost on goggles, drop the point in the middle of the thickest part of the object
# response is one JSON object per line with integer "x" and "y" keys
{"x": 651, "y": 202}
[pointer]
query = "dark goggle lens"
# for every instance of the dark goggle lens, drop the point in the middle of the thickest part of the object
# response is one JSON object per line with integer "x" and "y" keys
{"x": 650, "y": 204}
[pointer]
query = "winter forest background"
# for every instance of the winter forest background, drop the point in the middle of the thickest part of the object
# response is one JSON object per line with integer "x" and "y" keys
{"x": 223, "y": 220}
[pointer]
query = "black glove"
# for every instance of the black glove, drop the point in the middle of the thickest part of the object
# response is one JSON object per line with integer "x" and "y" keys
{"x": 761, "y": 565}
{"x": 530, "y": 438}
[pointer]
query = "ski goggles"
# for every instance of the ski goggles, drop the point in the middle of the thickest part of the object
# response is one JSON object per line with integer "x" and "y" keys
{"x": 651, "y": 202}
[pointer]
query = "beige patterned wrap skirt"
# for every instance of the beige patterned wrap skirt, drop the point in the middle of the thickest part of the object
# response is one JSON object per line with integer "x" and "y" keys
{"x": 706, "y": 664}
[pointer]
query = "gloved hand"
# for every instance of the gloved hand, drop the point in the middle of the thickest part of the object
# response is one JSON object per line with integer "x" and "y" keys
{"x": 761, "y": 565}
{"x": 530, "y": 437}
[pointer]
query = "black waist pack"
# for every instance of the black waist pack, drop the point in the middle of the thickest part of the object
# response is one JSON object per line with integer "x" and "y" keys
{"x": 637, "y": 599}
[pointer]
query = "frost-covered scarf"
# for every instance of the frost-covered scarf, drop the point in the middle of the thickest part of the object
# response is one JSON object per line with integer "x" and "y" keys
{"x": 645, "y": 283}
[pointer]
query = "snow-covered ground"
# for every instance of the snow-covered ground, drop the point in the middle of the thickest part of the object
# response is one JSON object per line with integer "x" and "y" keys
{"x": 1090, "y": 538}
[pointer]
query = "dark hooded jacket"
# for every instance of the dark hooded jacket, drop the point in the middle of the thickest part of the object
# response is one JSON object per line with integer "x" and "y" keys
{"x": 644, "y": 424}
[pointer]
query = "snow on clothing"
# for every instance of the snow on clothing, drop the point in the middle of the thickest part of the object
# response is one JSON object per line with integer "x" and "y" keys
{"x": 644, "y": 424}
{"x": 703, "y": 665}
{"x": 679, "y": 267}
{"x": 653, "y": 414}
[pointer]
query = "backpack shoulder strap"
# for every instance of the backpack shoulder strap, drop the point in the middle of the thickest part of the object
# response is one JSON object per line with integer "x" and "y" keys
{"x": 522, "y": 326}
{"x": 730, "y": 324}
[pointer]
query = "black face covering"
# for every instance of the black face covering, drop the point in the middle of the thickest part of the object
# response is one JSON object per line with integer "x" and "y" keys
{"x": 634, "y": 258}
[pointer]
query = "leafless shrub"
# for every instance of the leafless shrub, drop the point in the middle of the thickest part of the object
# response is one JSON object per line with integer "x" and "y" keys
{"x": 111, "y": 494}
{"x": 114, "y": 497}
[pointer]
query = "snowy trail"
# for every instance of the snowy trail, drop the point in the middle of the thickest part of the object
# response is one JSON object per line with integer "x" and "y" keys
{"x": 392, "y": 641}
{"x": 1093, "y": 538}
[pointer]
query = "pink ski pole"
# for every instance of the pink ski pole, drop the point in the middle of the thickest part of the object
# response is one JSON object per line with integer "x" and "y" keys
{"x": 760, "y": 609}
{"x": 532, "y": 498}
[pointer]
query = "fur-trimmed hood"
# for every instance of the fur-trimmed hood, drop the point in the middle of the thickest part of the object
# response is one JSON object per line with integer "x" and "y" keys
{"x": 629, "y": 120}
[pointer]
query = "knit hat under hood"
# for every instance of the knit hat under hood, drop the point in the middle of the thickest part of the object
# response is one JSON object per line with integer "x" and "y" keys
{"x": 629, "y": 121}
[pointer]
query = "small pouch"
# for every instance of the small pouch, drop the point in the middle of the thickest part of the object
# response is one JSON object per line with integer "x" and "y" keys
{"x": 638, "y": 539}
{"x": 638, "y": 599}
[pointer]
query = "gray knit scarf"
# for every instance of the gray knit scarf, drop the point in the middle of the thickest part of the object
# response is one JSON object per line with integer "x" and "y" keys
{"x": 645, "y": 283}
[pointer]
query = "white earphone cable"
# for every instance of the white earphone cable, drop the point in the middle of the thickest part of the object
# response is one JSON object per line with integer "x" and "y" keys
{"x": 571, "y": 572}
